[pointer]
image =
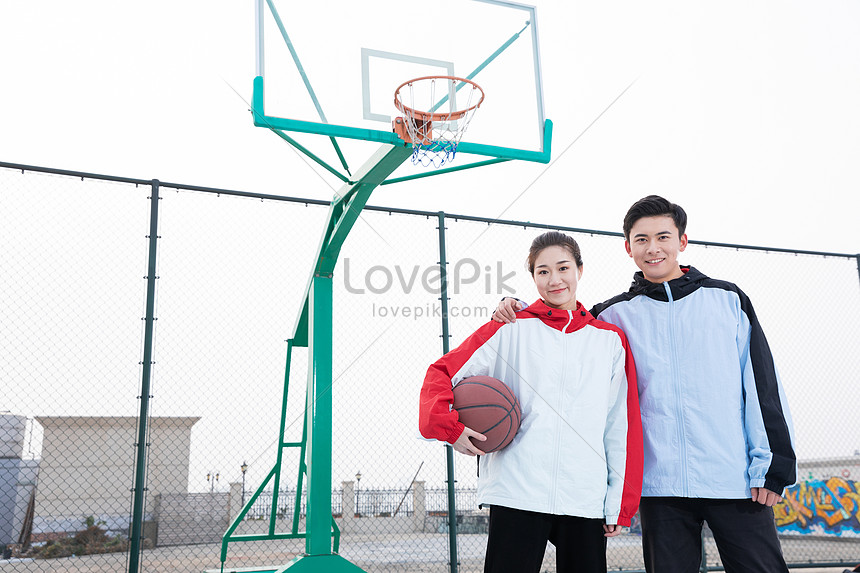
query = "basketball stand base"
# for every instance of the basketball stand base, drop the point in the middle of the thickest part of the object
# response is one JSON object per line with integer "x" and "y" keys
{"x": 303, "y": 564}
{"x": 320, "y": 563}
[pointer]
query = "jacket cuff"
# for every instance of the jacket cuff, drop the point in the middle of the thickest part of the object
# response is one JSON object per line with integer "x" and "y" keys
{"x": 621, "y": 520}
{"x": 776, "y": 486}
{"x": 455, "y": 433}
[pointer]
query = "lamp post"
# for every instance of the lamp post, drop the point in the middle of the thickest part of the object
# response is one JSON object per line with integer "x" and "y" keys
{"x": 357, "y": 499}
{"x": 212, "y": 479}
{"x": 244, "y": 469}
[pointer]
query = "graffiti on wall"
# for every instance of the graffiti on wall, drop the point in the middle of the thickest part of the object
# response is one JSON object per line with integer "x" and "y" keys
{"x": 820, "y": 507}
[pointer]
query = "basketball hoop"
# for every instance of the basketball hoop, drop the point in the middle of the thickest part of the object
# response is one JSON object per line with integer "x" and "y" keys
{"x": 434, "y": 135}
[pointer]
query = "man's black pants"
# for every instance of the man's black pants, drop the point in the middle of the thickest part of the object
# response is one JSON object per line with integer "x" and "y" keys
{"x": 744, "y": 531}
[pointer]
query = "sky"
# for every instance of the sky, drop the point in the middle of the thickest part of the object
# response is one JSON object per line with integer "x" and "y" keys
{"x": 743, "y": 112}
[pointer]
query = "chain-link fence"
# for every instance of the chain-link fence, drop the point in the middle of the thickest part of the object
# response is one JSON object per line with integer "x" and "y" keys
{"x": 231, "y": 272}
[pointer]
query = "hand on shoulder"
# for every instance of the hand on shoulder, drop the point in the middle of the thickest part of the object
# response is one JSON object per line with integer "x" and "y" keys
{"x": 506, "y": 312}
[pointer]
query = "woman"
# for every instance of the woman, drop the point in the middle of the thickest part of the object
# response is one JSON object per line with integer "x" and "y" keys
{"x": 573, "y": 473}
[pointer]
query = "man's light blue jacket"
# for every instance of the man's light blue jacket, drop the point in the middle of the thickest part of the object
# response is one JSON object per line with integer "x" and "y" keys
{"x": 714, "y": 415}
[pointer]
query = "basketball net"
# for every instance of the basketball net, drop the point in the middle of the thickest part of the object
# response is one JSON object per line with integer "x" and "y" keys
{"x": 435, "y": 134}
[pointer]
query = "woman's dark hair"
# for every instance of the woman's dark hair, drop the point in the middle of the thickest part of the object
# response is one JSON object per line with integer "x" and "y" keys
{"x": 654, "y": 206}
{"x": 553, "y": 239}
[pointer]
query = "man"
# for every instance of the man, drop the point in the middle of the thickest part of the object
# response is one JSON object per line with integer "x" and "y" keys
{"x": 717, "y": 430}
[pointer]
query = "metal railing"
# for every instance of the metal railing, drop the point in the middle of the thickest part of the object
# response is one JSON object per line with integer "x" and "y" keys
{"x": 144, "y": 317}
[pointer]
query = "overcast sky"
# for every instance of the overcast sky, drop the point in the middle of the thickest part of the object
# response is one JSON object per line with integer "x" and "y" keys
{"x": 745, "y": 112}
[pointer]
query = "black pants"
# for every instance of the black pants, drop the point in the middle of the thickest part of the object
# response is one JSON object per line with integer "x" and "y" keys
{"x": 744, "y": 531}
{"x": 517, "y": 542}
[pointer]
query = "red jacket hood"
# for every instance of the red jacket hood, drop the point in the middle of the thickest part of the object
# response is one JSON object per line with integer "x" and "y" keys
{"x": 559, "y": 319}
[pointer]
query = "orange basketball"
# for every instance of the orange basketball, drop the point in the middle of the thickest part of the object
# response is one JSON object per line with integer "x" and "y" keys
{"x": 486, "y": 405}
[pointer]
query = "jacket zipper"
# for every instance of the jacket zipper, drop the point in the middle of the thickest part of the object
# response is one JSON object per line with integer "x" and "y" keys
{"x": 557, "y": 448}
{"x": 676, "y": 383}
{"x": 570, "y": 319}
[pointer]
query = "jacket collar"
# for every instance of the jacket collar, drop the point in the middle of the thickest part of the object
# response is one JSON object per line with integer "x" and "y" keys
{"x": 563, "y": 320}
{"x": 680, "y": 287}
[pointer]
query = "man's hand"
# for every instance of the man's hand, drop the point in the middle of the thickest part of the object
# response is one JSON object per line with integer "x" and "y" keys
{"x": 506, "y": 311}
{"x": 765, "y": 496}
{"x": 465, "y": 446}
{"x": 611, "y": 530}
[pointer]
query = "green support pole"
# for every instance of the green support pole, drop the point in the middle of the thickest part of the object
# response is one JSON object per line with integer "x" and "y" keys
{"x": 318, "y": 541}
{"x": 140, "y": 465}
{"x": 276, "y": 489}
{"x": 297, "y": 508}
{"x": 315, "y": 327}
{"x": 449, "y": 451}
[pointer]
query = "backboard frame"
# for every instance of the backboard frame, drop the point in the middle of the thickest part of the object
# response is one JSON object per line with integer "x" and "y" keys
{"x": 335, "y": 130}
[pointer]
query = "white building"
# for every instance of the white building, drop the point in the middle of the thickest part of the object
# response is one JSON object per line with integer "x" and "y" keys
{"x": 815, "y": 469}
{"x": 88, "y": 466}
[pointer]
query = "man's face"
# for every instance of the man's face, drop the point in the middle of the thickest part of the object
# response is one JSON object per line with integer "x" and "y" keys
{"x": 654, "y": 246}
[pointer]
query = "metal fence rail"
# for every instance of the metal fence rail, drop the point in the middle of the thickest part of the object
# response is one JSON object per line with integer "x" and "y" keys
{"x": 371, "y": 503}
{"x": 139, "y": 316}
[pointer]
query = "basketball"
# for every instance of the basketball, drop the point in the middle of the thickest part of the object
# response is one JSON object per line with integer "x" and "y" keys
{"x": 488, "y": 406}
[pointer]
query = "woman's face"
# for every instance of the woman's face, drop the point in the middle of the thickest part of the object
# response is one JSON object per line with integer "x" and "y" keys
{"x": 556, "y": 277}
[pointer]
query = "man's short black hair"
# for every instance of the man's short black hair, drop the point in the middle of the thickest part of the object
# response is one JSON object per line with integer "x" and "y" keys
{"x": 654, "y": 206}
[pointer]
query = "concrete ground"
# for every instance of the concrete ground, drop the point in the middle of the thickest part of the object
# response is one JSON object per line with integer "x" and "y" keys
{"x": 394, "y": 553}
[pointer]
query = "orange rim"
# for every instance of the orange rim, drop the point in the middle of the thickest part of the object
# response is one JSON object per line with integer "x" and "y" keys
{"x": 435, "y": 116}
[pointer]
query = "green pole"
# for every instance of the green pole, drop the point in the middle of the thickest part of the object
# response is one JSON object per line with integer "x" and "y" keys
{"x": 314, "y": 330}
{"x": 318, "y": 540}
{"x": 449, "y": 451}
{"x": 276, "y": 488}
{"x": 141, "y": 445}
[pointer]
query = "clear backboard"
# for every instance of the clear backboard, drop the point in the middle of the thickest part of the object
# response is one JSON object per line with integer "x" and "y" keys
{"x": 330, "y": 68}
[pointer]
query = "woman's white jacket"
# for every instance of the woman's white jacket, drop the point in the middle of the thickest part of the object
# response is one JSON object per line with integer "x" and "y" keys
{"x": 579, "y": 447}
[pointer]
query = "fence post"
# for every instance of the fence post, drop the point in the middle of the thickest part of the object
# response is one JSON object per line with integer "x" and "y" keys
{"x": 449, "y": 451}
{"x": 347, "y": 506}
{"x": 141, "y": 445}
{"x": 419, "y": 507}
{"x": 234, "y": 501}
